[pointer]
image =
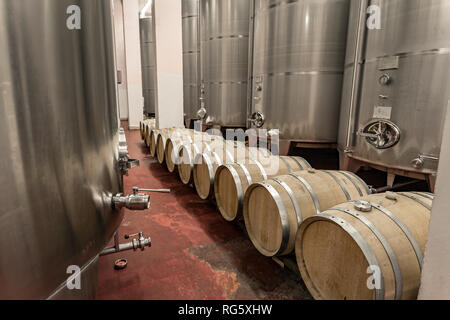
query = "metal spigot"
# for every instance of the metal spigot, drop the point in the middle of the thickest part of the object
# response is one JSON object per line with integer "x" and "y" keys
{"x": 140, "y": 242}
{"x": 137, "y": 243}
{"x": 419, "y": 162}
{"x": 201, "y": 113}
{"x": 125, "y": 162}
{"x": 134, "y": 201}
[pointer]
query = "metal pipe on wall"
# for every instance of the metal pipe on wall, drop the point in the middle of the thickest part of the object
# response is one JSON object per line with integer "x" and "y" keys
{"x": 357, "y": 69}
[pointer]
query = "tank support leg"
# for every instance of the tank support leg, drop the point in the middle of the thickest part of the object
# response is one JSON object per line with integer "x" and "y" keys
{"x": 390, "y": 178}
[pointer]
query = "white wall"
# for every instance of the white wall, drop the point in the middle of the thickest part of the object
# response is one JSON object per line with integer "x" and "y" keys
{"x": 436, "y": 268}
{"x": 122, "y": 91}
{"x": 169, "y": 63}
{"x": 133, "y": 63}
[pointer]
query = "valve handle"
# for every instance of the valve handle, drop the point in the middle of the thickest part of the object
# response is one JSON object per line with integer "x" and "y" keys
{"x": 137, "y": 190}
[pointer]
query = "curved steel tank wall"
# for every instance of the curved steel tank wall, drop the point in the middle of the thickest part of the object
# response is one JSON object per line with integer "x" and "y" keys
{"x": 59, "y": 133}
{"x": 413, "y": 48}
{"x": 191, "y": 56}
{"x": 148, "y": 64}
{"x": 298, "y": 66}
{"x": 224, "y": 54}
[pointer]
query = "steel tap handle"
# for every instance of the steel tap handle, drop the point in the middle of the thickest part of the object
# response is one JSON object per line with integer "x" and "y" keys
{"x": 137, "y": 190}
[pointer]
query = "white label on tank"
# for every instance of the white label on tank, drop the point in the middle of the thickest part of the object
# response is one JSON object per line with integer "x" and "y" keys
{"x": 382, "y": 112}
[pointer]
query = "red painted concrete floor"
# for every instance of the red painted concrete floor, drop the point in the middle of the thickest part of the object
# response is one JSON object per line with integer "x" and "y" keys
{"x": 195, "y": 254}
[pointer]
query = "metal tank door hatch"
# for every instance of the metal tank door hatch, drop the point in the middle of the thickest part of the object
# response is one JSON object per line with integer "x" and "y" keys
{"x": 381, "y": 134}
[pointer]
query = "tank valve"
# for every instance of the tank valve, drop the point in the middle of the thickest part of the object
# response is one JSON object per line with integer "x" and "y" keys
{"x": 385, "y": 79}
{"x": 419, "y": 162}
{"x": 139, "y": 243}
{"x": 134, "y": 201}
{"x": 202, "y": 113}
{"x": 125, "y": 162}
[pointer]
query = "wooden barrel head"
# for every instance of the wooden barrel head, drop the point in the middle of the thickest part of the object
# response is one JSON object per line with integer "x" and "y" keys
{"x": 185, "y": 165}
{"x": 152, "y": 142}
{"x": 203, "y": 175}
{"x": 228, "y": 192}
{"x": 263, "y": 219}
{"x": 160, "y": 148}
{"x": 170, "y": 155}
{"x": 335, "y": 267}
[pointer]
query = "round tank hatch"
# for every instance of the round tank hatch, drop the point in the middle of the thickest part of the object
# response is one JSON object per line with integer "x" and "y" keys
{"x": 258, "y": 119}
{"x": 382, "y": 134}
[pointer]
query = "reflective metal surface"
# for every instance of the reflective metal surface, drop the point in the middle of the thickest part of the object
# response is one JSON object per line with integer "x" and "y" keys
{"x": 405, "y": 79}
{"x": 224, "y": 54}
{"x": 191, "y": 57}
{"x": 59, "y": 133}
{"x": 299, "y": 53}
{"x": 148, "y": 65}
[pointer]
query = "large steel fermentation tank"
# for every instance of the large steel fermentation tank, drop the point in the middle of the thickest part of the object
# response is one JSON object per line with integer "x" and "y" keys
{"x": 224, "y": 54}
{"x": 191, "y": 57}
{"x": 148, "y": 64}
{"x": 59, "y": 132}
{"x": 298, "y": 65}
{"x": 394, "y": 103}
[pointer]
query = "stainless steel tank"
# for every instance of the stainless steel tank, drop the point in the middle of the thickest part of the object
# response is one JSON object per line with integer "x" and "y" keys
{"x": 298, "y": 66}
{"x": 148, "y": 64}
{"x": 191, "y": 57}
{"x": 59, "y": 134}
{"x": 224, "y": 54}
{"x": 394, "y": 102}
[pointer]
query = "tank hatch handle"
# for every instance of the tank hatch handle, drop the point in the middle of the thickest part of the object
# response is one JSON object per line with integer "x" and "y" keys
{"x": 381, "y": 134}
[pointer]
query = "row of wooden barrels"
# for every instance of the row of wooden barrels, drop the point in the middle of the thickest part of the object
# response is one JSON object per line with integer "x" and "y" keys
{"x": 349, "y": 243}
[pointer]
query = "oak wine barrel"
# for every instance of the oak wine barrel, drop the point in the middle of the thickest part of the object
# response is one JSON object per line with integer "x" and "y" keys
{"x": 232, "y": 180}
{"x": 206, "y": 164}
{"x": 275, "y": 208}
{"x": 369, "y": 249}
{"x": 188, "y": 152}
{"x": 174, "y": 144}
{"x": 152, "y": 141}
{"x": 161, "y": 140}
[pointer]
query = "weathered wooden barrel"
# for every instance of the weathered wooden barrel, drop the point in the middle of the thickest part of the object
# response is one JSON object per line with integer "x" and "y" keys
{"x": 188, "y": 152}
{"x": 145, "y": 126}
{"x": 369, "y": 249}
{"x": 142, "y": 129}
{"x": 148, "y": 135}
{"x": 152, "y": 141}
{"x": 173, "y": 145}
{"x": 232, "y": 180}
{"x": 206, "y": 164}
{"x": 162, "y": 139}
{"x": 274, "y": 209}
